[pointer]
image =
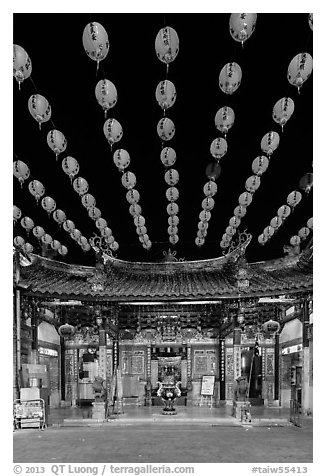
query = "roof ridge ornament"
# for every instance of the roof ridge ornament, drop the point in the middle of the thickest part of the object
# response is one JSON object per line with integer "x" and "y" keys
{"x": 237, "y": 249}
{"x": 170, "y": 256}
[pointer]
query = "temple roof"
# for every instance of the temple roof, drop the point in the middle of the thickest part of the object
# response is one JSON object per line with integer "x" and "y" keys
{"x": 126, "y": 281}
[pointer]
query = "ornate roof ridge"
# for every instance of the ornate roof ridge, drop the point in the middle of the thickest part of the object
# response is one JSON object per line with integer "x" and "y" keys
{"x": 75, "y": 269}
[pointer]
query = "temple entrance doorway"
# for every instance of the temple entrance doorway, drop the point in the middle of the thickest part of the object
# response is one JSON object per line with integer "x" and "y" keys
{"x": 169, "y": 362}
{"x": 251, "y": 368}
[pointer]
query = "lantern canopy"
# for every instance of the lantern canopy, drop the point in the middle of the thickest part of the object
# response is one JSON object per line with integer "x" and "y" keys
{"x": 224, "y": 119}
{"x": 242, "y": 26}
{"x": 165, "y": 94}
{"x": 106, "y": 94}
{"x": 95, "y": 41}
{"x": 56, "y": 141}
{"x": 165, "y": 129}
{"x": 22, "y": 64}
{"x": 283, "y": 110}
{"x": 299, "y": 70}
{"x": 70, "y": 166}
{"x": 230, "y": 78}
{"x": 39, "y": 108}
{"x": 80, "y": 185}
{"x": 167, "y": 45}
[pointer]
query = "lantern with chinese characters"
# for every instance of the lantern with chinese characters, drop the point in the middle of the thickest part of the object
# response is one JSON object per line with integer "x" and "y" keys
{"x": 202, "y": 225}
{"x": 63, "y": 250}
{"x": 306, "y": 182}
{"x": 218, "y": 148}
{"x": 48, "y": 204}
{"x": 252, "y": 183}
{"x": 210, "y": 188}
{"x": 141, "y": 230}
{"x": 85, "y": 246}
{"x": 230, "y": 230}
{"x": 19, "y": 241}
{"x": 242, "y": 26}
{"x": 139, "y": 220}
{"x": 95, "y": 41}
{"x": 294, "y": 198}
{"x": 224, "y": 244}
{"x": 276, "y": 222}
{"x": 283, "y": 212}
{"x": 171, "y": 177}
{"x": 245, "y": 199}
{"x": 22, "y": 64}
{"x": 16, "y": 213}
{"x": 70, "y": 167}
{"x": 59, "y": 216}
{"x": 28, "y": 248}
{"x": 202, "y": 233}
{"x": 230, "y": 78}
{"x": 106, "y": 232}
{"x": 208, "y": 203}
{"x": 240, "y": 211}
{"x": 234, "y": 221}
{"x": 82, "y": 241}
{"x": 270, "y": 143}
{"x": 94, "y": 213}
{"x": 165, "y": 94}
{"x": 114, "y": 246}
{"x": 75, "y": 234}
{"x": 113, "y": 131}
{"x": 224, "y": 119}
{"x": 172, "y": 230}
{"x": 66, "y": 331}
{"x": 57, "y": 142}
{"x": 205, "y": 215}
{"x": 128, "y": 180}
{"x": 260, "y": 165}
{"x": 268, "y": 231}
{"x": 283, "y": 110}
{"x": 134, "y": 209}
{"x": 144, "y": 238}
{"x": 21, "y": 171}
{"x": 295, "y": 240}
{"x": 167, "y": 45}
{"x": 213, "y": 171}
{"x": 271, "y": 326}
{"x": 55, "y": 245}
{"x": 27, "y": 223}
{"x": 165, "y": 129}
{"x": 106, "y": 95}
{"x": 88, "y": 201}
{"x": 173, "y": 239}
{"x": 304, "y": 232}
{"x": 46, "y": 239}
{"x": 121, "y": 159}
{"x": 68, "y": 226}
{"x": 172, "y": 194}
{"x": 132, "y": 196}
{"x": 262, "y": 239}
{"x": 173, "y": 220}
{"x": 199, "y": 241}
{"x": 80, "y": 185}
{"x": 39, "y": 108}
{"x": 101, "y": 223}
{"x": 37, "y": 189}
{"x": 168, "y": 156}
{"x": 227, "y": 237}
{"x": 300, "y": 68}
{"x": 172, "y": 208}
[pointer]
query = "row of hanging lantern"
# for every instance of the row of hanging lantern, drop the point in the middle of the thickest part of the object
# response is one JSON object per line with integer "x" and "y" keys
{"x": 167, "y": 48}
{"x": 302, "y": 234}
{"x": 293, "y": 199}
{"x": 28, "y": 224}
{"x": 96, "y": 45}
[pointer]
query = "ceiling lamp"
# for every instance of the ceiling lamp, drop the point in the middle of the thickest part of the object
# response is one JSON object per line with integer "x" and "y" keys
{"x": 101, "y": 223}
{"x": 48, "y": 204}
{"x": 21, "y": 171}
{"x": 172, "y": 194}
{"x": 262, "y": 239}
{"x": 171, "y": 177}
{"x": 165, "y": 129}
{"x": 270, "y": 143}
{"x": 135, "y": 210}
{"x": 165, "y": 94}
{"x": 224, "y": 119}
{"x": 167, "y": 45}
{"x": 57, "y": 142}
{"x": 75, "y": 234}
{"x": 37, "y": 189}
{"x": 39, "y": 108}
{"x": 230, "y": 78}
{"x": 106, "y": 232}
{"x": 208, "y": 203}
{"x": 299, "y": 70}
{"x": 242, "y": 26}
{"x": 28, "y": 248}
{"x": 70, "y": 166}
{"x": 106, "y": 95}
{"x": 22, "y": 64}
{"x": 172, "y": 208}
{"x": 269, "y": 231}
{"x": 113, "y": 131}
{"x": 96, "y": 42}
{"x": 283, "y": 110}
{"x": 16, "y": 213}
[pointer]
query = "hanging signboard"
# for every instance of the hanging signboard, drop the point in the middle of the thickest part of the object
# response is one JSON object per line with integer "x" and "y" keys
{"x": 207, "y": 385}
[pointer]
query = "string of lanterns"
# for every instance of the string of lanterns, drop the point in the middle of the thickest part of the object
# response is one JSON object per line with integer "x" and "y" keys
{"x": 167, "y": 48}
{"x": 28, "y": 224}
{"x": 302, "y": 234}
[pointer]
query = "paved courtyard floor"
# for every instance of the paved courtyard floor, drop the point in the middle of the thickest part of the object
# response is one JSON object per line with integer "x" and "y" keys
{"x": 165, "y": 443}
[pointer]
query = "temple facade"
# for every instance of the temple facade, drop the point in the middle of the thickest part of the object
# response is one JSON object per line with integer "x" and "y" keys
{"x": 132, "y": 324}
